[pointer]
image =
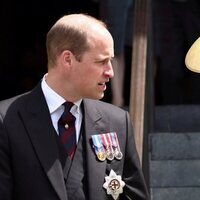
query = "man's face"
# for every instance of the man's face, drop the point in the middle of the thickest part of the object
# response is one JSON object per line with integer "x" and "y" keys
{"x": 91, "y": 74}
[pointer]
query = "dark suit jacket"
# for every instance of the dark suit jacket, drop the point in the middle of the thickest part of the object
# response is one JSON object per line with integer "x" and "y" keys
{"x": 30, "y": 168}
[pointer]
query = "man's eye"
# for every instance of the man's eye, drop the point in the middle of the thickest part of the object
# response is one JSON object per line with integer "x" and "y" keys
{"x": 103, "y": 62}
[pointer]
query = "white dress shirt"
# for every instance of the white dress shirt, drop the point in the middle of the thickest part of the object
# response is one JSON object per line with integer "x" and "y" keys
{"x": 56, "y": 107}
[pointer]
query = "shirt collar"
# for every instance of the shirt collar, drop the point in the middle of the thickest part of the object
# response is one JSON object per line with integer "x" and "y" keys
{"x": 54, "y": 100}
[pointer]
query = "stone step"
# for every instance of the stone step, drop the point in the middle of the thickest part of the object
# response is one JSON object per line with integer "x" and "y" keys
{"x": 175, "y": 173}
{"x": 174, "y": 146}
{"x": 174, "y": 166}
{"x": 177, "y": 118}
{"x": 176, "y": 193}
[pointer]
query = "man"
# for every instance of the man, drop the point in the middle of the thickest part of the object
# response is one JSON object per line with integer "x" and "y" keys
{"x": 34, "y": 163}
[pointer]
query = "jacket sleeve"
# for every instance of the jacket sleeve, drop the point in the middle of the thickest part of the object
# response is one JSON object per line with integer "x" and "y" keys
{"x": 135, "y": 187}
{"x": 5, "y": 165}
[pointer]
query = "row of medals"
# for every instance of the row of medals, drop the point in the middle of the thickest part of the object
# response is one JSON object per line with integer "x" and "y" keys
{"x": 109, "y": 151}
{"x": 109, "y": 154}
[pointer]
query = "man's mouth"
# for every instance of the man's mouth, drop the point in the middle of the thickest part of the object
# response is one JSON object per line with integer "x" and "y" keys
{"x": 101, "y": 83}
{"x": 102, "y": 86}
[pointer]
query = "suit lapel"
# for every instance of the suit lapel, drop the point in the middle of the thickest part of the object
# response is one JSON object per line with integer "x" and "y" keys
{"x": 94, "y": 124}
{"x": 38, "y": 123}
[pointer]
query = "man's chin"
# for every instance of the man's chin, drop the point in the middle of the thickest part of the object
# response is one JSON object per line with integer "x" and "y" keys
{"x": 96, "y": 97}
{"x": 101, "y": 96}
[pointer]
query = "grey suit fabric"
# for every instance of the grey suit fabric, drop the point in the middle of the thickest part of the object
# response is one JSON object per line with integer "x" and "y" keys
{"x": 30, "y": 164}
{"x": 75, "y": 181}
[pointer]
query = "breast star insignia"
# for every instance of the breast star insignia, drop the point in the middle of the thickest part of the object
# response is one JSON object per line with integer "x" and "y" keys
{"x": 114, "y": 185}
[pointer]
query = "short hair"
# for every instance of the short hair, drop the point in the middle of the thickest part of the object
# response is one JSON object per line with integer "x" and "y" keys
{"x": 67, "y": 36}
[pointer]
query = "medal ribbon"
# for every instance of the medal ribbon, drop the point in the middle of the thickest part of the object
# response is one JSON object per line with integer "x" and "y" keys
{"x": 108, "y": 146}
{"x": 116, "y": 139}
{"x": 118, "y": 153}
{"x": 105, "y": 141}
{"x": 96, "y": 139}
{"x": 113, "y": 138}
{"x": 108, "y": 139}
{"x": 110, "y": 143}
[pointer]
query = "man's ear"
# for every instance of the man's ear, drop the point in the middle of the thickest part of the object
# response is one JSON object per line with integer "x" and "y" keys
{"x": 66, "y": 58}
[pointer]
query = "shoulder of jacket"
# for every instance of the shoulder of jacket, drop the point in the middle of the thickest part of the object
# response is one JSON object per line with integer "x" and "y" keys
{"x": 6, "y": 103}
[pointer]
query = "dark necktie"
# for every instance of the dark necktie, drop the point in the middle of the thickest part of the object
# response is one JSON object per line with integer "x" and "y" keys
{"x": 67, "y": 131}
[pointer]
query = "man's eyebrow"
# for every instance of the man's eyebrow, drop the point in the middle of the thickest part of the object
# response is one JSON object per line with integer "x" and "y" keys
{"x": 104, "y": 59}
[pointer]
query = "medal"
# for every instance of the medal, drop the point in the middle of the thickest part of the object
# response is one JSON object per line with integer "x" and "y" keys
{"x": 117, "y": 152}
{"x": 108, "y": 146}
{"x": 101, "y": 154}
{"x": 98, "y": 147}
{"x": 118, "y": 155}
{"x": 109, "y": 155}
{"x": 114, "y": 185}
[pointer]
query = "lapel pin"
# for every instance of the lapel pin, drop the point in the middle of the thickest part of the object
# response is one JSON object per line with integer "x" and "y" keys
{"x": 66, "y": 126}
{"x": 114, "y": 185}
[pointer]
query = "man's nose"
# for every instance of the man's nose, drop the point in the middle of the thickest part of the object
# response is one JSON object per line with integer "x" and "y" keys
{"x": 109, "y": 70}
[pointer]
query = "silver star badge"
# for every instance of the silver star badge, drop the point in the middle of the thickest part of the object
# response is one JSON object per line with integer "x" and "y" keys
{"x": 114, "y": 184}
